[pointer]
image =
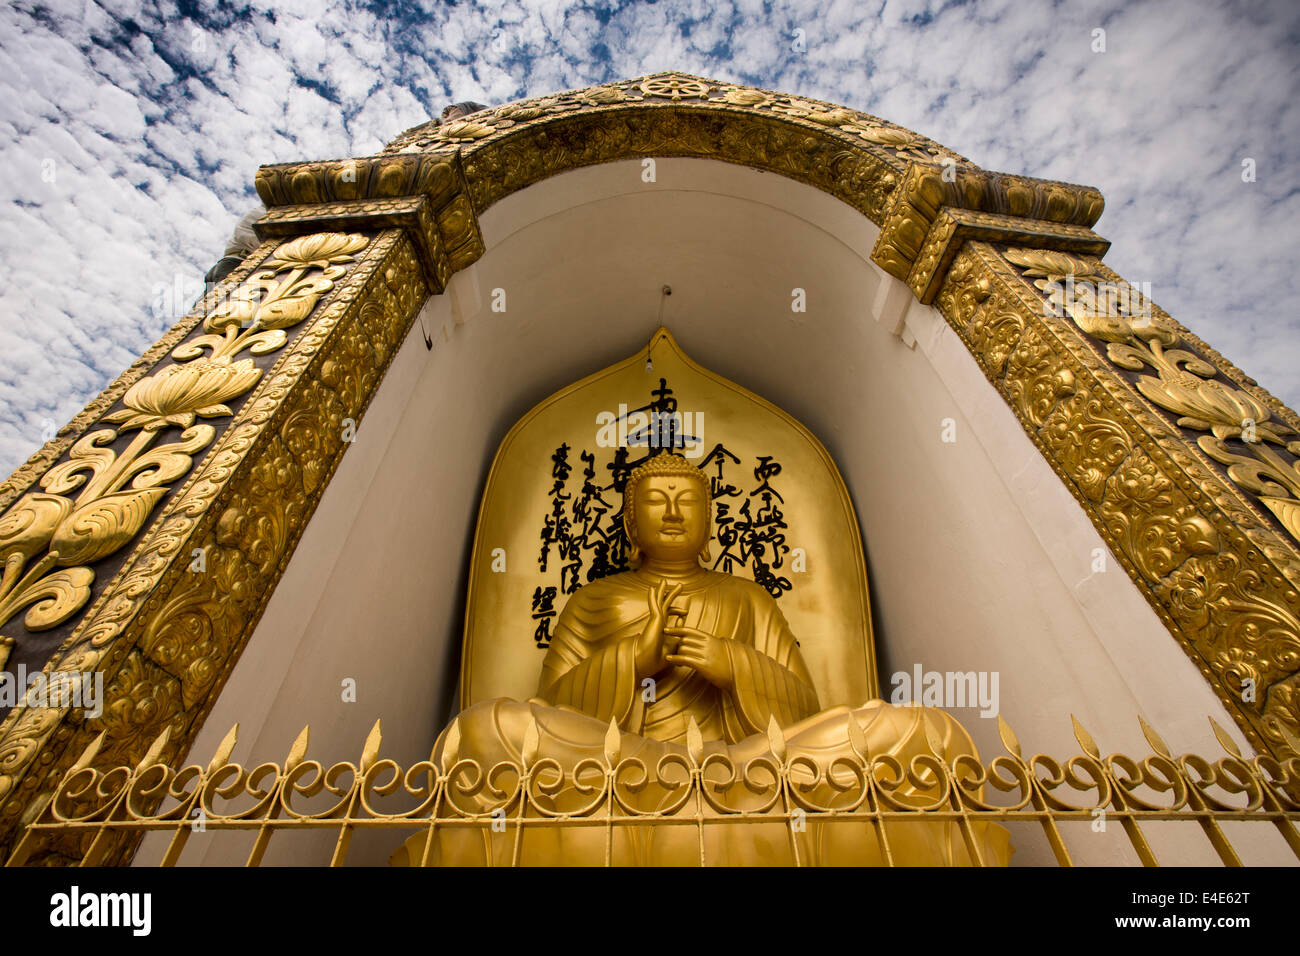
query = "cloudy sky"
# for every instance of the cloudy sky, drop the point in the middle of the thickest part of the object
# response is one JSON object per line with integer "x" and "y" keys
{"x": 130, "y": 133}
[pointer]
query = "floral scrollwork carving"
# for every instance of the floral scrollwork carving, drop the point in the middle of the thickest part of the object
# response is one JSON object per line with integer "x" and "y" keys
{"x": 49, "y": 539}
{"x": 1245, "y": 634}
{"x": 1156, "y": 523}
{"x": 1259, "y": 451}
{"x": 1087, "y": 443}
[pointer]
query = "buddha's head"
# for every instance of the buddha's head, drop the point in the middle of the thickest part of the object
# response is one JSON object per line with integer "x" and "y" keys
{"x": 667, "y": 510}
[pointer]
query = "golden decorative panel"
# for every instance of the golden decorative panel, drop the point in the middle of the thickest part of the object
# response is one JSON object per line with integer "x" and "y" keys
{"x": 327, "y": 311}
{"x": 1145, "y": 456}
{"x": 223, "y": 435}
{"x": 549, "y": 521}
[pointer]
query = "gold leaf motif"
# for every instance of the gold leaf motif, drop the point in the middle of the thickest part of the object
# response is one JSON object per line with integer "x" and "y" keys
{"x": 1084, "y": 738}
{"x": 1207, "y": 405}
{"x": 694, "y": 742}
{"x": 740, "y": 96}
{"x": 292, "y": 306}
{"x": 298, "y": 752}
{"x": 463, "y": 131}
{"x": 1009, "y": 739}
{"x": 178, "y": 393}
{"x": 1044, "y": 263}
{"x": 155, "y": 750}
{"x": 370, "y": 751}
{"x": 54, "y": 598}
{"x": 1225, "y": 740}
{"x": 1287, "y": 512}
{"x": 613, "y": 743}
{"x": 224, "y": 749}
{"x": 882, "y": 135}
{"x": 27, "y": 527}
{"x": 834, "y": 117}
{"x": 87, "y": 755}
{"x": 521, "y": 114}
{"x": 318, "y": 251}
{"x": 236, "y": 309}
{"x": 602, "y": 96}
{"x": 1154, "y": 739}
{"x": 99, "y": 528}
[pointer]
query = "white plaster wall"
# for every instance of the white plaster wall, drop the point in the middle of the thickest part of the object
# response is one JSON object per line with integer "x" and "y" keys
{"x": 980, "y": 560}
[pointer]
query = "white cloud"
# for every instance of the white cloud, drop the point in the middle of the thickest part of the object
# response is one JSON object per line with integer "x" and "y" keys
{"x": 156, "y": 124}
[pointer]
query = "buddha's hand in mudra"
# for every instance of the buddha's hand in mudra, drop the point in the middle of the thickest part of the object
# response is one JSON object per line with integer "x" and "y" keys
{"x": 705, "y": 654}
{"x": 653, "y": 645}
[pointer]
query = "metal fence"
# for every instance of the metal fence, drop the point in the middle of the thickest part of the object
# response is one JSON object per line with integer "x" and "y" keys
{"x": 103, "y": 814}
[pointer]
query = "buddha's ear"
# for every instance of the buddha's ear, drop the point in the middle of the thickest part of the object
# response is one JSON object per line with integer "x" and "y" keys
{"x": 704, "y": 555}
{"x": 633, "y": 552}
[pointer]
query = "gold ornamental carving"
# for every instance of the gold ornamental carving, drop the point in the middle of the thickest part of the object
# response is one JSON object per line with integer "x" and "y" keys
{"x": 48, "y": 539}
{"x": 181, "y": 656}
{"x": 1191, "y": 534}
{"x": 1263, "y": 455}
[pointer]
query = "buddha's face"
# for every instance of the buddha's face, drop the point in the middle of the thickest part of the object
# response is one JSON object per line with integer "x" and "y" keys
{"x": 672, "y": 520}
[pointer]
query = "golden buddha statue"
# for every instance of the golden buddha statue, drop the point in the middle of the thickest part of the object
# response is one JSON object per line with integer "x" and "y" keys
{"x": 671, "y": 656}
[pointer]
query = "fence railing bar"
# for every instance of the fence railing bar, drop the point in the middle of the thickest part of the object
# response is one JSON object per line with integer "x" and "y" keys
{"x": 100, "y": 808}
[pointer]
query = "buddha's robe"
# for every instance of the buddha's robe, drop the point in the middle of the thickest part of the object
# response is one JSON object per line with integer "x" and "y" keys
{"x": 590, "y": 664}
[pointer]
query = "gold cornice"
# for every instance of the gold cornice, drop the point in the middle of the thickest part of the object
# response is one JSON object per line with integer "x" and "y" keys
{"x": 952, "y": 227}
{"x": 929, "y": 189}
{"x": 899, "y": 179}
{"x": 424, "y": 194}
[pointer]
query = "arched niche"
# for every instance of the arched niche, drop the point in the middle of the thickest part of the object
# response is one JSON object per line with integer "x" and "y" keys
{"x": 979, "y": 560}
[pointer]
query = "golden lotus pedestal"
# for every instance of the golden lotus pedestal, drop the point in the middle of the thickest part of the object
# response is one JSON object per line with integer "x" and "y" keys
{"x": 737, "y": 842}
{"x": 530, "y": 784}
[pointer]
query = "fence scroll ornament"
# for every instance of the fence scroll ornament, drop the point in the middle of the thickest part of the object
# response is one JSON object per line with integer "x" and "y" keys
{"x": 106, "y": 807}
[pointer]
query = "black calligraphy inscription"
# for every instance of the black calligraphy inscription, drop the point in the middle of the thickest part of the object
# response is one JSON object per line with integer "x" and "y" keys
{"x": 750, "y": 531}
{"x": 582, "y": 531}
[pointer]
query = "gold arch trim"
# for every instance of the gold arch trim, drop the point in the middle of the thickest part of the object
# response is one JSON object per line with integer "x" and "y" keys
{"x": 1186, "y": 467}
